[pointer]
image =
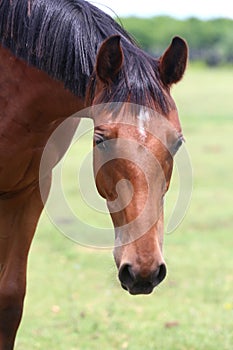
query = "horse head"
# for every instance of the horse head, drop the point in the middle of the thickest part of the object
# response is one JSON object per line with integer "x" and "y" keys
{"x": 137, "y": 133}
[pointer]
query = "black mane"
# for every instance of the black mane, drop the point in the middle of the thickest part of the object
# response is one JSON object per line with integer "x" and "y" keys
{"x": 62, "y": 37}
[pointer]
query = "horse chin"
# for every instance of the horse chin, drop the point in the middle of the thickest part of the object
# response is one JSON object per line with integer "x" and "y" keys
{"x": 137, "y": 290}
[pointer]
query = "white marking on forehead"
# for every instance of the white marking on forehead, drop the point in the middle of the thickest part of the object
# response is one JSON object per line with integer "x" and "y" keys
{"x": 143, "y": 120}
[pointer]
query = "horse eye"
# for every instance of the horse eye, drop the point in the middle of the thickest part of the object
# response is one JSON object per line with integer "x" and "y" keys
{"x": 100, "y": 141}
{"x": 177, "y": 145}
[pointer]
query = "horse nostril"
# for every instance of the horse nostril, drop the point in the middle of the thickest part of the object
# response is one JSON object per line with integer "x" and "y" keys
{"x": 126, "y": 275}
{"x": 159, "y": 274}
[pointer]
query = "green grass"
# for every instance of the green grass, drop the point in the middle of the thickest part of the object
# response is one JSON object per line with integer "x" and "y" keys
{"x": 74, "y": 301}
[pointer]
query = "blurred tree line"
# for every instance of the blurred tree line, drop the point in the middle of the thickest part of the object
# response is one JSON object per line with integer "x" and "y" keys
{"x": 209, "y": 41}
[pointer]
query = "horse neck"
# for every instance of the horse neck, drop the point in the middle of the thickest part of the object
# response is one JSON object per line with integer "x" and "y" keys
{"x": 31, "y": 96}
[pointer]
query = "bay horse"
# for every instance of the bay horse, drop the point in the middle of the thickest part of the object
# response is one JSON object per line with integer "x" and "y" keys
{"x": 57, "y": 57}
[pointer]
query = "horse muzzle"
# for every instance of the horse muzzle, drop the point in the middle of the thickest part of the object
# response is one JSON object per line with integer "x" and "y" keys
{"x": 137, "y": 283}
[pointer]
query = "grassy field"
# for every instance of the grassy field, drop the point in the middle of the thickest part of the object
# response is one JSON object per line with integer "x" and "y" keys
{"x": 74, "y": 301}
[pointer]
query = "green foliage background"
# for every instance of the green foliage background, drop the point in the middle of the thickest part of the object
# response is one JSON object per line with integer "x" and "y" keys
{"x": 209, "y": 41}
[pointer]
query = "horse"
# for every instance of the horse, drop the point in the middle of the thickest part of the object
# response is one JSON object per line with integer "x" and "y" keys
{"x": 58, "y": 57}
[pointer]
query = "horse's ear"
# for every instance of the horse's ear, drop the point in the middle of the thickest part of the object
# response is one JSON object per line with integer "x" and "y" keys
{"x": 173, "y": 62}
{"x": 109, "y": 59}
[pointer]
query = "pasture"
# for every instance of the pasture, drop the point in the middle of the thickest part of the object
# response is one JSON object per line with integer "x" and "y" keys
{"x": 74, "y": 301}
